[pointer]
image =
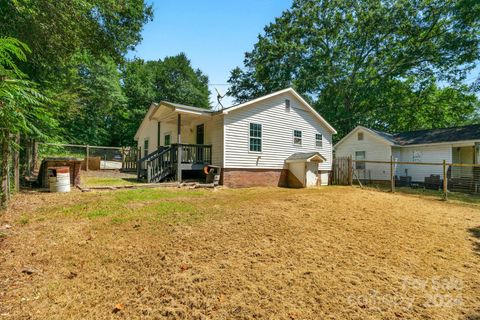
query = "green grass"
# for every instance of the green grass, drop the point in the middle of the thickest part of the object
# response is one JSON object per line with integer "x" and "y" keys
{"x": 23, "y": 220}
{"x": 156, "y": 205}
{"x": 106, "y": 182}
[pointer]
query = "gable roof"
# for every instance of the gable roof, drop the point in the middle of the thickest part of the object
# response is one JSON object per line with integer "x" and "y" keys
{"x": 306, "y": 157}
{"x": 383, "y": 137}
{"x": 182, "y": 107}
{"x": 428, "y": 136}
{"x": 152, "y": 107}
{"x": 271, "y": 95}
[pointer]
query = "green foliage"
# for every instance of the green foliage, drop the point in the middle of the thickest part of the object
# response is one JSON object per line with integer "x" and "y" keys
{"x": 22, "y": 106}
{"x": 57, "y": 30}
{"x": 370, "y": 62}
{"x": 172, "y": 79}
{"x": 77, "y": 49}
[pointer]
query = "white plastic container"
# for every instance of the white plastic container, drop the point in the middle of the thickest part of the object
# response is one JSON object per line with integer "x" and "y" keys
{"x": 59, "y": 181}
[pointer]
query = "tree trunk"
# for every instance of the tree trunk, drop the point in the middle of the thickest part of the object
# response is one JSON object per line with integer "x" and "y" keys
{"x": 5, "y": 190}
{"x": 35, "y": 163}
{"x": 16, "y": 164}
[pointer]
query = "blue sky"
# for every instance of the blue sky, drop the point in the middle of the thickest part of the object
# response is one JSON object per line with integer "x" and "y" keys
{"x": 214, "y": 34}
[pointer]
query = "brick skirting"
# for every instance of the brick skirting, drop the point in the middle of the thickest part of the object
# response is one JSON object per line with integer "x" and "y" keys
{"x": 243, "y": 178}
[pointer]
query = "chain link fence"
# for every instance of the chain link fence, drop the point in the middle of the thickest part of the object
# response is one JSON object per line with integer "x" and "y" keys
{"x": 437, "y": 178}
{"x": 92, "y": 157}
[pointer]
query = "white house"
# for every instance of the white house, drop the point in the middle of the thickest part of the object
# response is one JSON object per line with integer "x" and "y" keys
{"x": 454, "y": 145}
{"x": 277, "y": 139}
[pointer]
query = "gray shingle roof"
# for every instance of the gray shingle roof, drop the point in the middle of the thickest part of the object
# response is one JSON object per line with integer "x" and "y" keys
{"x": 304, "y": 156}
{"x": 471, "y": 132}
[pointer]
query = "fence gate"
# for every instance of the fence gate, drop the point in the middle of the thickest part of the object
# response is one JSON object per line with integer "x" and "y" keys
{"x": 342, "y": 171}
{"x": 130, "y": 158}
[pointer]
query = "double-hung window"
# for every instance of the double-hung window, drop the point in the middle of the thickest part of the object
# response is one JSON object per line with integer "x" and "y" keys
{"x": 319, "y": 140}
{"x": 360, "y": 155}
{"x": 297, "y": 137}
{"x": 255, "y": 135}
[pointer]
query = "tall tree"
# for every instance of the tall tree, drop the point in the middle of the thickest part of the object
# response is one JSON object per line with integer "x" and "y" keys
{"x": 370, "y": 61}
{"x": 78, "y": 47}
{"x": 171, "y": 79}
{"x": 57, "y": 30}
{"x": 22, "y": 109}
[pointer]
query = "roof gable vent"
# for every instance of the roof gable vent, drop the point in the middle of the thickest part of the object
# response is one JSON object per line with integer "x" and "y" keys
{"x": 287, "y": 104}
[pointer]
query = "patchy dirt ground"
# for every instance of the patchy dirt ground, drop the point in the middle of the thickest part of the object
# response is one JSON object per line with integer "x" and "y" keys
{"x": 262, "y": 253}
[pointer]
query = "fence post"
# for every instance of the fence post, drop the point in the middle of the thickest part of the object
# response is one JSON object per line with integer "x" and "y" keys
{"x": 392, "y": 176}
{"x": 445, "y": 181}
{"x": 88, "y": 156}
{"x": 350, "y": 171}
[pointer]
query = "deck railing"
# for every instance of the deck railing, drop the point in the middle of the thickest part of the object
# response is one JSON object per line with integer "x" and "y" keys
{"x": 163, "y": 162}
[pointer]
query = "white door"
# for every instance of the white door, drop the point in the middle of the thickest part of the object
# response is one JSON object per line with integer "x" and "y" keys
{"x": 311, "y": 173}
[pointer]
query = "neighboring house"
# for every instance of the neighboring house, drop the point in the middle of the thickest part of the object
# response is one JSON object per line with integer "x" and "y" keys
{"x": 277, "y": 139}
{"x": 454, "y": 145}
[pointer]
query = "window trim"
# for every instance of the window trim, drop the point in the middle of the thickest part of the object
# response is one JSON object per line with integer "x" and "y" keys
{"x": 301, "y": 138}
{"x": 169, "y": 133}
{"x": 364, "y": 164}
{"x": 318, "y": 140}
{"x": 250, "y": 137}
{"x": 147, "y": 149}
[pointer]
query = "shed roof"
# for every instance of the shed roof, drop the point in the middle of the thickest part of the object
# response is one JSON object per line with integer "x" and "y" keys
{"x": 306, "y": 157}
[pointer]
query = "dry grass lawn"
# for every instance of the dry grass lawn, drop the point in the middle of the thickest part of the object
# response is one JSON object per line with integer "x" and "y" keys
{"x": 261, "y": 253}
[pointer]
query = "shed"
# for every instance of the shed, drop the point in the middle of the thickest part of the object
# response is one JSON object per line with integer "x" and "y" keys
{"x": 303, "y": 169}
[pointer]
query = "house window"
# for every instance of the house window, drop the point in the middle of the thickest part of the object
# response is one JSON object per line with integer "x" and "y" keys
{"x": 145, "y": 147}
{"x": 360, "y": 155}
{"x": 360, "y": 136}
{"x": 319, "y": 140}
{"x": 417, "y": 156}
{"x": 297, "y": 137}
{"x": 255, "y": 137}
{"x": 167, "y": 139}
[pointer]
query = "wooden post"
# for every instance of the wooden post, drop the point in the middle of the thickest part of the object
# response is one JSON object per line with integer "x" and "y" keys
{"x": 179, "y": 151}
{"x": 87, "y": 152}
{"x": 350, "y": 170}
{"x": 445, "y": 181}
{"x": 392, "y": 175}
{"x": 16, "y": 164}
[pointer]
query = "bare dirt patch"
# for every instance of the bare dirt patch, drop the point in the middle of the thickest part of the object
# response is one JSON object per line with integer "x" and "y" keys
{"x": 262, "y": 253}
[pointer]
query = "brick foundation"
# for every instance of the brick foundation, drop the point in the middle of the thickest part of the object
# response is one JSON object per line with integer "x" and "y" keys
{"x": 244, "y": 178}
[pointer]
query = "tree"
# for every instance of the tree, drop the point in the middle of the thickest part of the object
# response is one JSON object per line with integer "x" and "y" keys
{"x": 57, "y": 31}
{"x": 172, "y": 79}
{"x": 370, "y": 62}
{"x": 21, "y": 106}
{"x": 78, "y": 47}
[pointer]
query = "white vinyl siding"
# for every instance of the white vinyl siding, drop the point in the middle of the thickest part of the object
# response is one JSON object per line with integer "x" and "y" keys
{"x": 433, "y": 154}
{"x": 277, "y": 128}
{"x": 375, "y": 149}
